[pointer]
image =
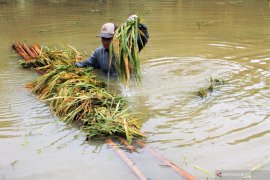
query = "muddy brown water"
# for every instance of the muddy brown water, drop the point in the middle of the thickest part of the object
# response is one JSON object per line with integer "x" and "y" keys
{"x": 190, "y": 41}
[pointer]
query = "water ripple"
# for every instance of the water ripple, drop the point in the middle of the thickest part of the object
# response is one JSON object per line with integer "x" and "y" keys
{"x": 170, "y": 83}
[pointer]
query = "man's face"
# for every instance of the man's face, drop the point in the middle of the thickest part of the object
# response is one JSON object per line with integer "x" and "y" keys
{"x": 106, "y": 42}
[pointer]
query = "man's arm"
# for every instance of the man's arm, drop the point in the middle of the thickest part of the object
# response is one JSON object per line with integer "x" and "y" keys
{"x": 142, "y": 39}
{"x": 91, "y": 61}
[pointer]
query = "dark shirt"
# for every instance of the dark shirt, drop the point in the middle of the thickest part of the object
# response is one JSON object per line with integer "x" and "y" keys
{"x": 100, "y": 59}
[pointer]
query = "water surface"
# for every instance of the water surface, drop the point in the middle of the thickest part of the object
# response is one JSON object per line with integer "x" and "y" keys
{"x": 190, "y": 41}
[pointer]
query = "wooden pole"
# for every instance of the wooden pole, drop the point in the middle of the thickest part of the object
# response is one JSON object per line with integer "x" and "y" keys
{"x": 166, "y": 161}
{"x": 20, "y": 51}
{"x": 130, "y": 163}
{"x": 29, "y": 52}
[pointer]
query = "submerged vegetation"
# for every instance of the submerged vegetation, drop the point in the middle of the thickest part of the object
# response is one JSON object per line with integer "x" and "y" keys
{"x": 214, "y": 83}
{"x": 125, "y": 49}
{"x": 76, "y": 95}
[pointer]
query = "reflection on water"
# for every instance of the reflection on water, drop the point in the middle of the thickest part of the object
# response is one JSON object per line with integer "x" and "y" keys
{"x": 190, "y": 41}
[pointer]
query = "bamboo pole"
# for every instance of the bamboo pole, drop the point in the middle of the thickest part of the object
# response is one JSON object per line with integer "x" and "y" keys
{"x": 37, "y": 49}
{"x": 34, "y": 52}
{"x": 128, "y": 146}
{"x": 159, "y": 156}
{"x": 166, "y": 161}
{"x": 129, "y": 162}
{"x": 29, "y": 52}
{"x": 20, "y": 51}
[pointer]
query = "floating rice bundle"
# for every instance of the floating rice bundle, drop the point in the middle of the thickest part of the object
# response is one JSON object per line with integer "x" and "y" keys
{"x": 214, "y": 83}
{"x": 124, "y": 48}
{"x": 44, "y": 59}
{"x": 76, "y": 95}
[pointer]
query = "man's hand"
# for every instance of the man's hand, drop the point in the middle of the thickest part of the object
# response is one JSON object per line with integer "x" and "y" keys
{"x": 132, "y": 17}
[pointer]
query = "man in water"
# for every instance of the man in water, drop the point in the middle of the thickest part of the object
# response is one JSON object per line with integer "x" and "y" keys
{"x": 100, "y": 59}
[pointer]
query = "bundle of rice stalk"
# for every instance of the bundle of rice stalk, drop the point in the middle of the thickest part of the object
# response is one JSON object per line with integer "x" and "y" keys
{"x": 113, "y": 121}
{"x": 51, "y": 57}
{"x": 75, "y": 94}
{"x": 124, "y": 48}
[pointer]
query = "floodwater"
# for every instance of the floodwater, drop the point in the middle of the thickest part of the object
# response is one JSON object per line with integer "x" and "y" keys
{"x": 190, "y": 41}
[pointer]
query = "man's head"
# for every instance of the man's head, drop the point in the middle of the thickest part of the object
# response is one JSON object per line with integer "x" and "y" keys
{"x": 107, "y": 30}
{"x": 106, "y": 34}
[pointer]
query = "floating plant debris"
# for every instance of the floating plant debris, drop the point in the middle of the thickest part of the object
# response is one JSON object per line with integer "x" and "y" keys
{"x": 76, "y": 95}
{"x": 214, "y": 83}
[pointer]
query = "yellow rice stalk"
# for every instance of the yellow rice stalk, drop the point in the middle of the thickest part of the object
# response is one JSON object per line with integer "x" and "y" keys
{"x": 77, "y": 95}
{"x": 124, "y": 49}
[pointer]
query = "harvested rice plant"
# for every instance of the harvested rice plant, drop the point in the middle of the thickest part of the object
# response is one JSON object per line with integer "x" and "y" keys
{"x": 125, "y": 50}
{"x": 76, "y": 94}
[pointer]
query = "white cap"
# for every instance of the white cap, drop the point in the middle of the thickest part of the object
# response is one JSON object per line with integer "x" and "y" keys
{"x": 107, "y": 30}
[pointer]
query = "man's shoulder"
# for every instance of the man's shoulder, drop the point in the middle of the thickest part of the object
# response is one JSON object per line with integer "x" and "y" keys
{"x": 99, "y": 49}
